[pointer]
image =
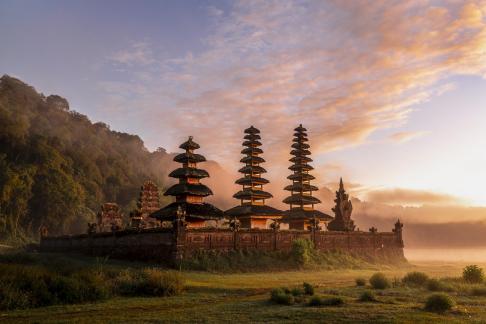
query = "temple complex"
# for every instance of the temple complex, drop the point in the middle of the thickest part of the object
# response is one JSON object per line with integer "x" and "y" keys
{"x": 109, "y": 218}
{"x": 189, "y": 192}
{"x": 189, "y": 226}
{"x": 301, "y": 213}
{"x": 148, "y": 202}
{"x": 252, "y": 211}
{"x": 342, "y": 220}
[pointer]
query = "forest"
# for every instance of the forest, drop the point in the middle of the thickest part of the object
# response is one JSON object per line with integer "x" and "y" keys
{"x": 57, "y": 167}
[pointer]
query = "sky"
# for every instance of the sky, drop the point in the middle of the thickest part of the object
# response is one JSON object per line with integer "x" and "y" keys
{"x": 393, "y": 93}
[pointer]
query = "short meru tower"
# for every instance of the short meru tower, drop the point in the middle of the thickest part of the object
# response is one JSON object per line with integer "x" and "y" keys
{"x": 189, "y": 192}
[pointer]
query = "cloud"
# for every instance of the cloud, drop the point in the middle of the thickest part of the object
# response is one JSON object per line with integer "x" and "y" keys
{"x": 400, "y": 196}
{"x": 138, "y": 54}
{"x": 344, "y": 69}
{"x": 403, "y": 137}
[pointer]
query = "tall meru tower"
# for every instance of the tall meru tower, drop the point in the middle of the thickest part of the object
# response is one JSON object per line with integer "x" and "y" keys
{"x": 189, "y": 192}
{"x": 301, "y": 212}
{"x": 252, "y": 211}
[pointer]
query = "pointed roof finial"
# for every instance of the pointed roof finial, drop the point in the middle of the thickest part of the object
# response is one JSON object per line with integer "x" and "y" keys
{"x": 341, "y": 185}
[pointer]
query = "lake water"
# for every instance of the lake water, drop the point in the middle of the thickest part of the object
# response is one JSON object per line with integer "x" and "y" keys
{"x": 471, "y": 255}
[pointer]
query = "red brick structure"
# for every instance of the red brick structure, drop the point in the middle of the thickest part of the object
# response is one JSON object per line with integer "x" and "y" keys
{"x": 148, "y": 202}
{"x": 170, "y": 245}
{"x": 109, "y": 218}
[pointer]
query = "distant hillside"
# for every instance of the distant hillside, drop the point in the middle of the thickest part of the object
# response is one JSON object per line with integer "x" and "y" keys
{"x": 57, "y": 167}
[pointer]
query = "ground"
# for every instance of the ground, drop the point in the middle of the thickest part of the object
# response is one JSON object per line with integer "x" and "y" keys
{"x": 244, "y": 297}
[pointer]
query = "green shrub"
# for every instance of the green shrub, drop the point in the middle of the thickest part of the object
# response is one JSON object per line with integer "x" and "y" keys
{"x": 279, "y": 296}
{"x": 415, "y": 278}
{"x": 478, "y": 291}
{"x": 321, "y": 301}
{"x": 35, "y": 285}
{"x": 308, "y": 289}
{"x": 439, "y": 303}
{"x": 379, "y": 281}
{"x": 360, "y": 282}
{"x": 473, "y": 274}
{"x": 396, "y": 282}
{"x": 302, "y": 250}
{"x": 435, "y": 285}
{"x": 297, "y": 292}
{"x": 163, "y": 283}
{"x": 13, "y": 298}
{"x": 367, "y": 296}
{"x": 149, "y": 282}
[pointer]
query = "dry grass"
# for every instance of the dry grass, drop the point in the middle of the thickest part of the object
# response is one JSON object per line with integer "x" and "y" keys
{"x": 243, "y": 297}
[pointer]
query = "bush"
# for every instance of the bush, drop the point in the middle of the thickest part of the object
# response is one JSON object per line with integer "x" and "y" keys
{"x": 320, "y": 301}
{"x": 279, "y": 296}
{"x": 473, "y": 274}
{"x": 439, "y": 303}
{"x": 308, "y": 289}
{"x": 302, "y": 250}
{"x": 34, "y": 285}
{"x": 149, "y": 282}
{"x": 367, "y": 296}
{"x": 417, "y": 279}
{"x": 379, "y": 281}
{"x": 297, "y": 292}
{"x": 162, "y": 283}
{"x": 436, "y": 285}
{"x": 360, "y": 282}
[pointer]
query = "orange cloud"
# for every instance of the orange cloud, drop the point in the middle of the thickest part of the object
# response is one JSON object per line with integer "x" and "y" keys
{"x": 402, "y": 137}
{"x": 344, "y": 69}
{"x": 400, "y": 196}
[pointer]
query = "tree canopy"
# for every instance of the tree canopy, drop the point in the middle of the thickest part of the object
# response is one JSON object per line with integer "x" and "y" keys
{"x": 57, "y": 167}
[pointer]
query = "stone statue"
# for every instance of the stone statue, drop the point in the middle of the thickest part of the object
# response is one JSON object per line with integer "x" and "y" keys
{"x": 342, "y": 220}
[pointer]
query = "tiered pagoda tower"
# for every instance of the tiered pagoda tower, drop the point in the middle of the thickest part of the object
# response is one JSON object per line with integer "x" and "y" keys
{"x": 301, "y": 213}
{"x": 252, "y": 211}
{"x": 189, "y": 192}
{"x": 148, "y": 202}
{"x": 342, "y": 211}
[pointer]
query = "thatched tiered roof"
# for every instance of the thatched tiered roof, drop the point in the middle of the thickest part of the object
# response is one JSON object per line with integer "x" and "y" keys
{"x": 252, "y": 195}
{"x": 202, "y": 211}
{"x": 189, "y": 191}
{"x": 301, "y": 200}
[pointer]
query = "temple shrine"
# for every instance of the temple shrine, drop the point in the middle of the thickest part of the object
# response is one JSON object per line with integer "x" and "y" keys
{"x": 301, "y": 213}
{"x": 189, "y": 192}
{"x": 252, "y": 211}
{"x": 110, "y": 218}
{"x": 342, "y": 211}
{"x": 148, "y": 202}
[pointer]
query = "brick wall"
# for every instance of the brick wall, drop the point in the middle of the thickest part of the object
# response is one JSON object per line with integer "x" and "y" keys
{"x": 170, "y": 245}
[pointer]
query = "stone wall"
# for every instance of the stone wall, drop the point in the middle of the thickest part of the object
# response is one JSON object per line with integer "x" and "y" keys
{"x": 149, "y": 244}
{"x": 171, "y": 245}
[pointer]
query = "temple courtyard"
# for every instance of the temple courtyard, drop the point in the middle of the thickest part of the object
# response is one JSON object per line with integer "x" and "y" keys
{"x": 244, "y": 297}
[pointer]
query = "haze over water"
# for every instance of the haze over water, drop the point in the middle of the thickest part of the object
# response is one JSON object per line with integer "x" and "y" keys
{"x": 466, "y": 255}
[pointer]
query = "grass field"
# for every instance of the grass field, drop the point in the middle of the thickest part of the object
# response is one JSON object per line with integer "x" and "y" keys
{"x": 244, "y": 297}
